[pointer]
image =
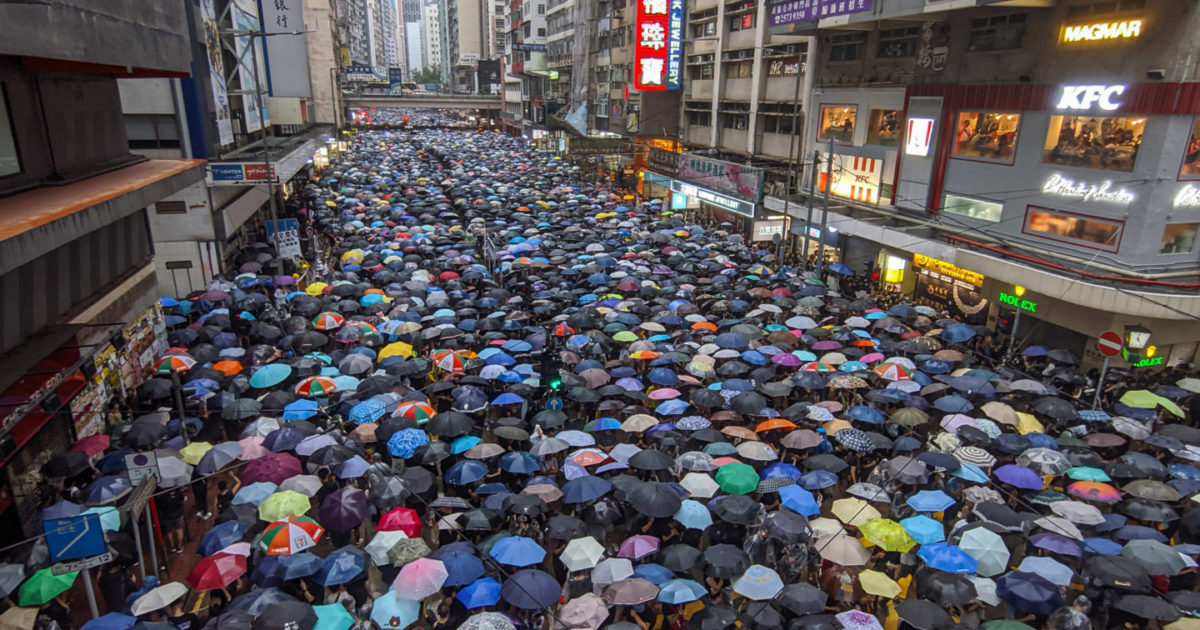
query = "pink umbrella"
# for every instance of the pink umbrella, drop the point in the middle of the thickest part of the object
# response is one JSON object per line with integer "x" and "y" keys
{"x": 828, "y": 344}
{"x": 636, "y": 547}
{"x": 421, "y": 578}
{"x": 664, "y": 394}
{"x": 273, "y": 467}
{"x": 953, "y": 422}
{"x": 872, "y": 357}
{"x": 252, "y": 448}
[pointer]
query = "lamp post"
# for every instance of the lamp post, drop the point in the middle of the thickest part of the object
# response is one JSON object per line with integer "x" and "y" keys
{"x": 1018, "y": 291}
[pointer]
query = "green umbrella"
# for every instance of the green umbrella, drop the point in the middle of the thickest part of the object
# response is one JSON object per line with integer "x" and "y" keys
{"x": 1143, "y": 399}
{"x": 737, "y": 478}
{"x": 283, "y": 504}
{"x": 1087, "y": 473}
{"x": 332, "y": 617}
{"x": 44, "y": 586}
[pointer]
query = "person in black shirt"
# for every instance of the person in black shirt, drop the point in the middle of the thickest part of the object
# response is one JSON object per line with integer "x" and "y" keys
{"x": 170, "y": 517}
{"x": 115, "y": 585}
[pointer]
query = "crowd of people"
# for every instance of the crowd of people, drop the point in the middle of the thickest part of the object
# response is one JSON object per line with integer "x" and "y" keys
{"x": 516, "y": 400}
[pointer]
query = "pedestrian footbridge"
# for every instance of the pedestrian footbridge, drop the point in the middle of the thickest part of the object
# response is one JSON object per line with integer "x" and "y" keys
{"x": 425, "y": 101}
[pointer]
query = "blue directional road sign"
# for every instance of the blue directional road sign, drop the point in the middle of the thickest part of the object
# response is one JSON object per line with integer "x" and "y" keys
{"x": 75, "y": 537}
{"x": 554, "y": 403}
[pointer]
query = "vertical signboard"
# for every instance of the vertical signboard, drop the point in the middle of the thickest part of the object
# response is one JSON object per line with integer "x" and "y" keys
{"x": 675, "y": 45}
{"x": 216, "y": 72}
{"x": 287, "y": 51}
{"x": 651, "y": 44}
{"x": 245, "y": 18}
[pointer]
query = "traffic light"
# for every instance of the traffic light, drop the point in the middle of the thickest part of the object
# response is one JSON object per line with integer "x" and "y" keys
{"x": 551, "y": 372}
{"x": 1004, "y": 322}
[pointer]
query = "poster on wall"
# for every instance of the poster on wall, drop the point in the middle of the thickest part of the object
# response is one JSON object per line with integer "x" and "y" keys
{"x": 245, "y": 18}
{"x": 945, "y": 287}
{"x": 216, "y": 71}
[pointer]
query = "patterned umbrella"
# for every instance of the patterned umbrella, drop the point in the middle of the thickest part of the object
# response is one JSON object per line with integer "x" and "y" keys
{"x": 328, "y": 321}
{"x": 173, "y": 364}
{"x": 316, "y": 387}
{"x": 367, "y": 411}
{"x": 290, "y": 535}
{"x": 892, "y": 372}
{"x": 855, "y": 440}
{"x": 418, "y": 411}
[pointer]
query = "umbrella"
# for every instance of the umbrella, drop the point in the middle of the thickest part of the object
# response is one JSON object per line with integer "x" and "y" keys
{"x": 291, "y": 534}
{"x": 630, "y": 591}
{"x": 479, "y": 593}
{"x": 158, "y": 598}
{"x": 758, "y": 583}
{"x": 531, "y": 589}
{"x": 216, "y": 571}
{"x": 393, "y": 612}
{"x": 421, "y": 578}
{"x": 1028, "y": 592}
{"x": 43, "y": 586}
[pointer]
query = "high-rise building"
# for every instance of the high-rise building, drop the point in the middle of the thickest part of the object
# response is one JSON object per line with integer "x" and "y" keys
{"x": 430, "y": 29}
{"x": 467, "y": 34}
{"x": 370, "y": 32}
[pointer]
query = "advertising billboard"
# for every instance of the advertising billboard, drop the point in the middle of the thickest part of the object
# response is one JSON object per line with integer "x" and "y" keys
{"x": 216, "y": 72}
{"x": 737, "y": 179}
{"x": 658, "y": 45}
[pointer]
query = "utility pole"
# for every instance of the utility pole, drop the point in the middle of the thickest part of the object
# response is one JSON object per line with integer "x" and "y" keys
{"x": 825, "y": 211}
{"x": 808, "y": 217}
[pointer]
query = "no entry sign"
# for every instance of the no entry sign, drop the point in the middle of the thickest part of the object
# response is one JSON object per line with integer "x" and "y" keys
{"x": 1109, "y": 343}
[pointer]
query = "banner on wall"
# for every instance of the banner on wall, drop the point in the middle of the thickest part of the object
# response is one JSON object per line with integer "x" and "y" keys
{"x": 216, "y": 72}
{"x": 946, "y": 287}
{"x": 245, "y": 18}
{"x": 729, "y": 177}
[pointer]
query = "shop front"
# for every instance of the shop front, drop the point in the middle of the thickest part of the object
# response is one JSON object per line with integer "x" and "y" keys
{"x": 725, "y": 192}
{"x": 947, "y": 288}
{"x": 861, "y": 129}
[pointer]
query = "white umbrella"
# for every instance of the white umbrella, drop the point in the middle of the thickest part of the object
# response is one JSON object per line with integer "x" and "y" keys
{"x": 308, "y": 485}
{"x": 549, "y": 446}
{"x": 699, "y": 485}
{"x": 758, "y": 583}
{"x": 158, "y": 598}
{"x": 1059, "y": 525}
{"x": 174, "y": 471}
{"x": 582, "y": 553}
{"x": 421, "y": 578}
{"x": 1078, "y": 512}
{"x": 844, "y": 550}
{"x": 1056, "y": 572}
{"x": 611, "y": 570}
{"x": 588, "y": 611}
{"x": 382, "y": 543}
{"x": 988, "y": 548}
{"x": 696, "y": 460}
{"x": 985, "y": 590}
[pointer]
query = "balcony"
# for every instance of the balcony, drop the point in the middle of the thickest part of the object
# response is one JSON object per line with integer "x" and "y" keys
{"x": 782, "y": 89}
{"x": 698, "y": 135}
{"x": 776, "y": 145}
{"x": 700, "y": 89}
{"x": 733, "y": 140}
{"x": 737, "y": 89}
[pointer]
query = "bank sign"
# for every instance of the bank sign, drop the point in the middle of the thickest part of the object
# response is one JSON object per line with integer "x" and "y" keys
{"x": 658, "y": 49}
{"x": 737, "y": 179}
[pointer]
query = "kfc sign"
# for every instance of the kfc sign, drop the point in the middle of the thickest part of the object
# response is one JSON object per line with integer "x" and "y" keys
{"x": 1085, "y": 97}
{"x": 658, "y": 39}
{"x": 919, "y": 136}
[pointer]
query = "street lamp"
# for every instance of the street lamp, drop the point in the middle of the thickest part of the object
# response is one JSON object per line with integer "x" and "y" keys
{"x": 1018, "y": 291}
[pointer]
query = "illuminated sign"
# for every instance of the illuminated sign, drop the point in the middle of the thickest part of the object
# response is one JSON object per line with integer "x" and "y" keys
{"x": 1148, "y": 362}
{"x": 856, "y": 178}
{"x": 1014, "y": 301}
{"x": 712, "y": 197}
{"x": 785, "y": 12}
{"x": 787, "y": 67}
{"x": 973, "y": 278}
{"x": 919, "y": 136}
{"x": 1188, "y": 197}
{"x": 1086, "y": 97}
{"x": 1100, "y": 31}
{"x": 658, "y": 33}
{"x": 1063, "y": 187}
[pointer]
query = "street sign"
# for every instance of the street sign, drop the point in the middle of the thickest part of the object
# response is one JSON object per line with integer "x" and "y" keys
{"x": 83, "y": 563}
{"x": 142, "y": 465}
{"x": 1109, "y": 344}
{"x": 136, "y": 502}
{"x": 554, "y": 403}
{"x": 285, "y": 233}
{"x": 75, "y": 537}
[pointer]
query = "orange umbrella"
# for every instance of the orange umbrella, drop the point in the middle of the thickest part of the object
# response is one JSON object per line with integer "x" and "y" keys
{"x": 704, "y": 326}
{"x": 644, "y": 355}
{"x": 774, "y": 423}
{"x": 228, "y": 368}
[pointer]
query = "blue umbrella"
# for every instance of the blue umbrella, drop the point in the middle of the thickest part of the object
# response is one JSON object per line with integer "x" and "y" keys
{"x": 332, "y": 617}
{"x": 732, "y": 341}
{"x": 106, "y": 490}
{"x": 953, "y": 404}
{"x": 283, "y": 439}
{"x": 817, "y": 480}
{"x": 672, "y": 407}
{"x": 584, "y": 489}
{"x": 299, "y": 565}
{"x": 352, "y": 468}
{"x": 110, "y": 517}
{"x": 1029, "y": 592}
{"x": 680, "y": 591}
{"x": 517, "y": 551}
{"x": 781, "y": 470}
{"x": 946, "y": 557}
{"x": 1102, "y": 546}
{"x": 254, "y": 493}
{"x": 653, "y": 573}
{"x": 930, "y": 501}
{"x": 463, "y": 444}
{"x": 663, "y": 376}
{"x": 866, "y": 414}
{"x": 531, "y": 589}
{"x": 341, "y": 566}
{"x": 466, "y": 471}
{"x": 221, "y": 536}
{"x": 270, "y": 375}
{"x": 110, "y": 621}
{"x": 462, "y": 568}
{"x": 507, "y": 398}
{"x": 693, "y": 515}
{"x": 923, "y": 529}
{"x": 62, "y": 509}
{"x": 391, "y": 611}
{"x": 970, "y": 472}
{"x": 519, "y": 463}
{"x": 958, "y": 333}
{"x": 302, "y": 409}
{"x": 799, "y": 500}
{"x": 367, "y": 411}
{"x": 603, "y": 424}
{"x": 405, "y": 441}
{"x": 480, "y": 593}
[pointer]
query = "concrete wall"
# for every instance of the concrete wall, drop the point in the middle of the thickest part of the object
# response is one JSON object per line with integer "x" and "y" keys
{"x": 131, "y": 33}
{"x": 322, "y": 60}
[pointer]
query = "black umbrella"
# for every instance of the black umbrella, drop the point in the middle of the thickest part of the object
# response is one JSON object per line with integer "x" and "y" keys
{"x": 725, "y": 561}
{"x": 655, "y": 499}
{"x": 419, "y": 480}
{"x": 922, "y": 614}
{"x": 388, "y": 492}
{"x": 825, "y": 461}
{"x": 707, "y": 398}
{"x": 65, "y": 464}
{"x": 1148, "y": 510}
{"x": 802, "y": 598}
{"x": 1056, "y": 408}
{"x": 565, "y": 527}
{"x": 761, "y": 616}
{"x": 945, "y": 588}
{"x": 748, "y": 403}
{"x": 679, "y": 557}
{"x": 604, "y": 512}
{"x": 286, "y": 615}
{"x": 450, "y": 424}
{"x": 787, "y": 526}
{"x": 822, "y": 621}
{"x": 1117, "y": 572}
{"x": 231, "y": 620}
{"x": 1147, "y": 607}
{"x": 713, "y": 618}
{"x": 651, "y": 459}
{"x": 143, "y": 433}
{"x": 156, "y": 389}
{"x": 241, "y": 409}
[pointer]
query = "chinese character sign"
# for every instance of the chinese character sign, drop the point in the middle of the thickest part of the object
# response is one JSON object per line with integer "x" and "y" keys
{"x": 651, "y": 45}
{"x": 675, "y": 45}
{"x": 784, "y": 12}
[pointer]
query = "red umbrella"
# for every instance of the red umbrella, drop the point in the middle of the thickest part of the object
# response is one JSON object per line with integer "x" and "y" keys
{"x": 91, "y": 445}
{"x": 272, "y": 467}
{"x": 401, "y": 519}
{"x": 217, "y": 571}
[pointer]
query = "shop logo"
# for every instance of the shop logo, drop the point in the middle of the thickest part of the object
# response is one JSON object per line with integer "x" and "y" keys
{"x": 1124, "y": 29}
{"x": 1063, "y": 187}
{"x": 1088, "y": 96}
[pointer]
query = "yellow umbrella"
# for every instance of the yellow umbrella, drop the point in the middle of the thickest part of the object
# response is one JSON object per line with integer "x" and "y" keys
{"x": 193, "y": 452}
{"x": 398, "y": 349}
{"x": 638, "y": 423}
{"x": 854, "y": 511}
{"x": 888, "y": 534}
{"x": 1026, "y": 423}
{"x": 1183, "y": 623}
{"x": 1143, "y": 399}
{"x": 316, "y": 288}
{"x": 282, "y": 505}
{"x": 876, "y": 583}
{"x": 823, "y": 526}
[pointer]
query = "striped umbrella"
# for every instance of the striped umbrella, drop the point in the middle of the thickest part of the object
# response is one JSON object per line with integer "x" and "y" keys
{"x": 290, "y": 535}
{"x": 173, "y": 363}
{"x": 448, "y": 361}
{"x": 892, "y": 372}
{"x": 817, "y": 366}
{"x": 316, "y": 386}
{"x": 328, "y": 321}
{"x": 414, "y": 410}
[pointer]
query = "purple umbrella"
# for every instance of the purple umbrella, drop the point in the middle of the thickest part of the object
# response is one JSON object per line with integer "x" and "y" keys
{"x": 1056, "y": 543}
{"x": 786, "y": 359}
{"x": 1019, "y": 477}
{"x": 284, "y": 281}
{"x": 343, "y": 510}
{"x": 828, "y": 344}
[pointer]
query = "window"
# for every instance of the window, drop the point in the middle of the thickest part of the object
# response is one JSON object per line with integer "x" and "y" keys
{"x": 987, "y": 135}
{"x": 739, "y": 69}
{"x": 1081, "y": 230}
{"x": 702, "y": 71}
{"x": 1191, "y": 156}
{"x": 847, "y": 47}
{"x": 700, "y": 119}
{"x": 10, "y": 161}
{"x": 884, "y": 128}
{"x": 1110, "y": 6}
{"x": 704, "y": 29}
{"x": 1179, "y": 238}
{"x": 777, "y": 124}
{"x": 541, "y": 9}
{"x": 542, "y": 33}
{"x": 999, "y": 32}
{"x": 738, "y": 122}
{"x": 973, "y": 208}
{"x": 170, "y": 207}
{"x": 898, "y": 42}
{"x": 150, "y": 131}
{"x": 837, "y": 122}
{"x": 743, "y": 22}
{"x": 1094, "y": 141}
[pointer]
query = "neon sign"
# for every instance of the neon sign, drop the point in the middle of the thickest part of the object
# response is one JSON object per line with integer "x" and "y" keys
{"x": 1100, "y": 31}
{"x": 1063, "y": 187}
{"x": 1014, "y": 301}
{"x": 1087, "y": 96}
{"x": 919, "y": 136}
{"x": 658, "y": 44}
{"x": 1148, "y": 362}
